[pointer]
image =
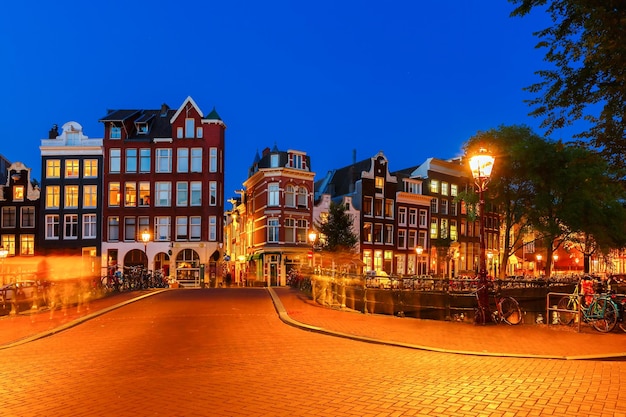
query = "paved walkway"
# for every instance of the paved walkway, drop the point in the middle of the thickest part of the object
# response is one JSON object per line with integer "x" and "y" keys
{"x": 526, "y": 340}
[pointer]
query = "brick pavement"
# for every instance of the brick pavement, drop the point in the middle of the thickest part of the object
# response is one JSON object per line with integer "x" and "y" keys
{"x": 526, "y": 340}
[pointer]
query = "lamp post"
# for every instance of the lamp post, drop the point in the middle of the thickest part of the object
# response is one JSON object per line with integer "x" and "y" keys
{"x": 419, "y": 250}
{"x": 481, "y": 165}
{"x": 145, "y": 238}
{"x": 3, "y": 254}
{"x": 539, "y": 258}
{"x": 312, "y": 239}
{"x": 556, "y": 258}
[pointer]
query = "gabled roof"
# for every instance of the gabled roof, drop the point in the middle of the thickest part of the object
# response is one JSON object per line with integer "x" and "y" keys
{"x": 188, "y": 100}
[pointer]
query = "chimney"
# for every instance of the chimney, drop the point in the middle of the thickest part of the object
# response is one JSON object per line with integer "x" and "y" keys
{"x": 54, "y": 132}
{"x": 164, "y": 109}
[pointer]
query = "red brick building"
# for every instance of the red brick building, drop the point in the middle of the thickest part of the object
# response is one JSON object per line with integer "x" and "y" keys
{"x": 164, "y": 175}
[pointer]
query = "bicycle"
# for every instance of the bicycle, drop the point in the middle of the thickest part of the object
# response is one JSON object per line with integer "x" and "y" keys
{"x": 599, "y": 310}
{"x": 507, "y": 309}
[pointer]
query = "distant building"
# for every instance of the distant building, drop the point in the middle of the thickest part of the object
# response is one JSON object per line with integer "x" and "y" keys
{"x": 4, "y": 166}
{"x": 18, "y": 202}
{"x": 164, "y": 177}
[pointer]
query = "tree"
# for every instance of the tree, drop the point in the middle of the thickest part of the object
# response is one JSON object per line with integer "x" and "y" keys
{"x": 509, "y": 189}
{"x": 587, "y": 47}
{"x": 337, "y": 238}
{"x": 560, "y": 191}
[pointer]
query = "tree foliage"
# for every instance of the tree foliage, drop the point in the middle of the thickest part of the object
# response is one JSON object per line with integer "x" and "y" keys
{"x": 563, "y": 192}
{"x": 586, "y": 47}
{"x": 337, "y": 238}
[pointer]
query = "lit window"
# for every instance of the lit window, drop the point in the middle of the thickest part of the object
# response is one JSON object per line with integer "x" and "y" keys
{"x": 90, "y": 168}
{"x": 130, "y": 194}
{"x": 90, "y": 196}
{"x": 144, "y": 193}
{"x": 71, "y": 196}
{"x": 18, "y": 193}
{"x": 434, "y": 186}
{"x": 53, "y": 196}
{"x": 72, "y": 168}
{"x": 27, "y": 244}
{"x": 114, "y": 194}
{"x": 53, "y": 168}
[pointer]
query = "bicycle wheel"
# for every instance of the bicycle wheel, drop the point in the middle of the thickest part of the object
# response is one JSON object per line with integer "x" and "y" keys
{"x": 609, "y": 315}
{"x": 511, "y": 313}
{"x": 479, "y": 316}
{"x": 567, "y": 317}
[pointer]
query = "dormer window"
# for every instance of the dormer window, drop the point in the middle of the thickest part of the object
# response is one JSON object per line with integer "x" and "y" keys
{"x": 297, "y": 161}
{"x": 116, "y": 132}
{"x": 274, "y": 159}
{"x": 142, "y": 128}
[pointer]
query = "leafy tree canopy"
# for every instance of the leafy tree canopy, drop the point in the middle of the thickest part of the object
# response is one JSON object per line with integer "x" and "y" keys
{"x": 586, "y": 46}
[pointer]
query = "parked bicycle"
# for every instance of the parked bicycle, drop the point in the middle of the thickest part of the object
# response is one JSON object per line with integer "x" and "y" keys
{"x": 600, "y": 310}
{"x": 506, "y": 309}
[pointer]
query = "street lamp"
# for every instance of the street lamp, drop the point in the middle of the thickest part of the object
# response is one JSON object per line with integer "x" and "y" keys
{"x": 481, "y": 165}
{"x": 419, "y": 250}
{"x": 556, "y": 258}
{"x": 312, "y": 239}
{"x": 145, "y": 238}
{"x": 3, "y": 254}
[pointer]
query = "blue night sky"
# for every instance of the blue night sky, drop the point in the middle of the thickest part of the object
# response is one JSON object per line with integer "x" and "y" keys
{"x": 414, "y": 79}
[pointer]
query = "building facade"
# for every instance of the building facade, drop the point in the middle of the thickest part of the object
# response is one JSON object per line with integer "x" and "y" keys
{"x": 19, "y": 205}
{"x": 278, "y": 215}
{"x": 70, "y": 211}
{"x": 454, "y": 236}
{"x": 164, "y": 178}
